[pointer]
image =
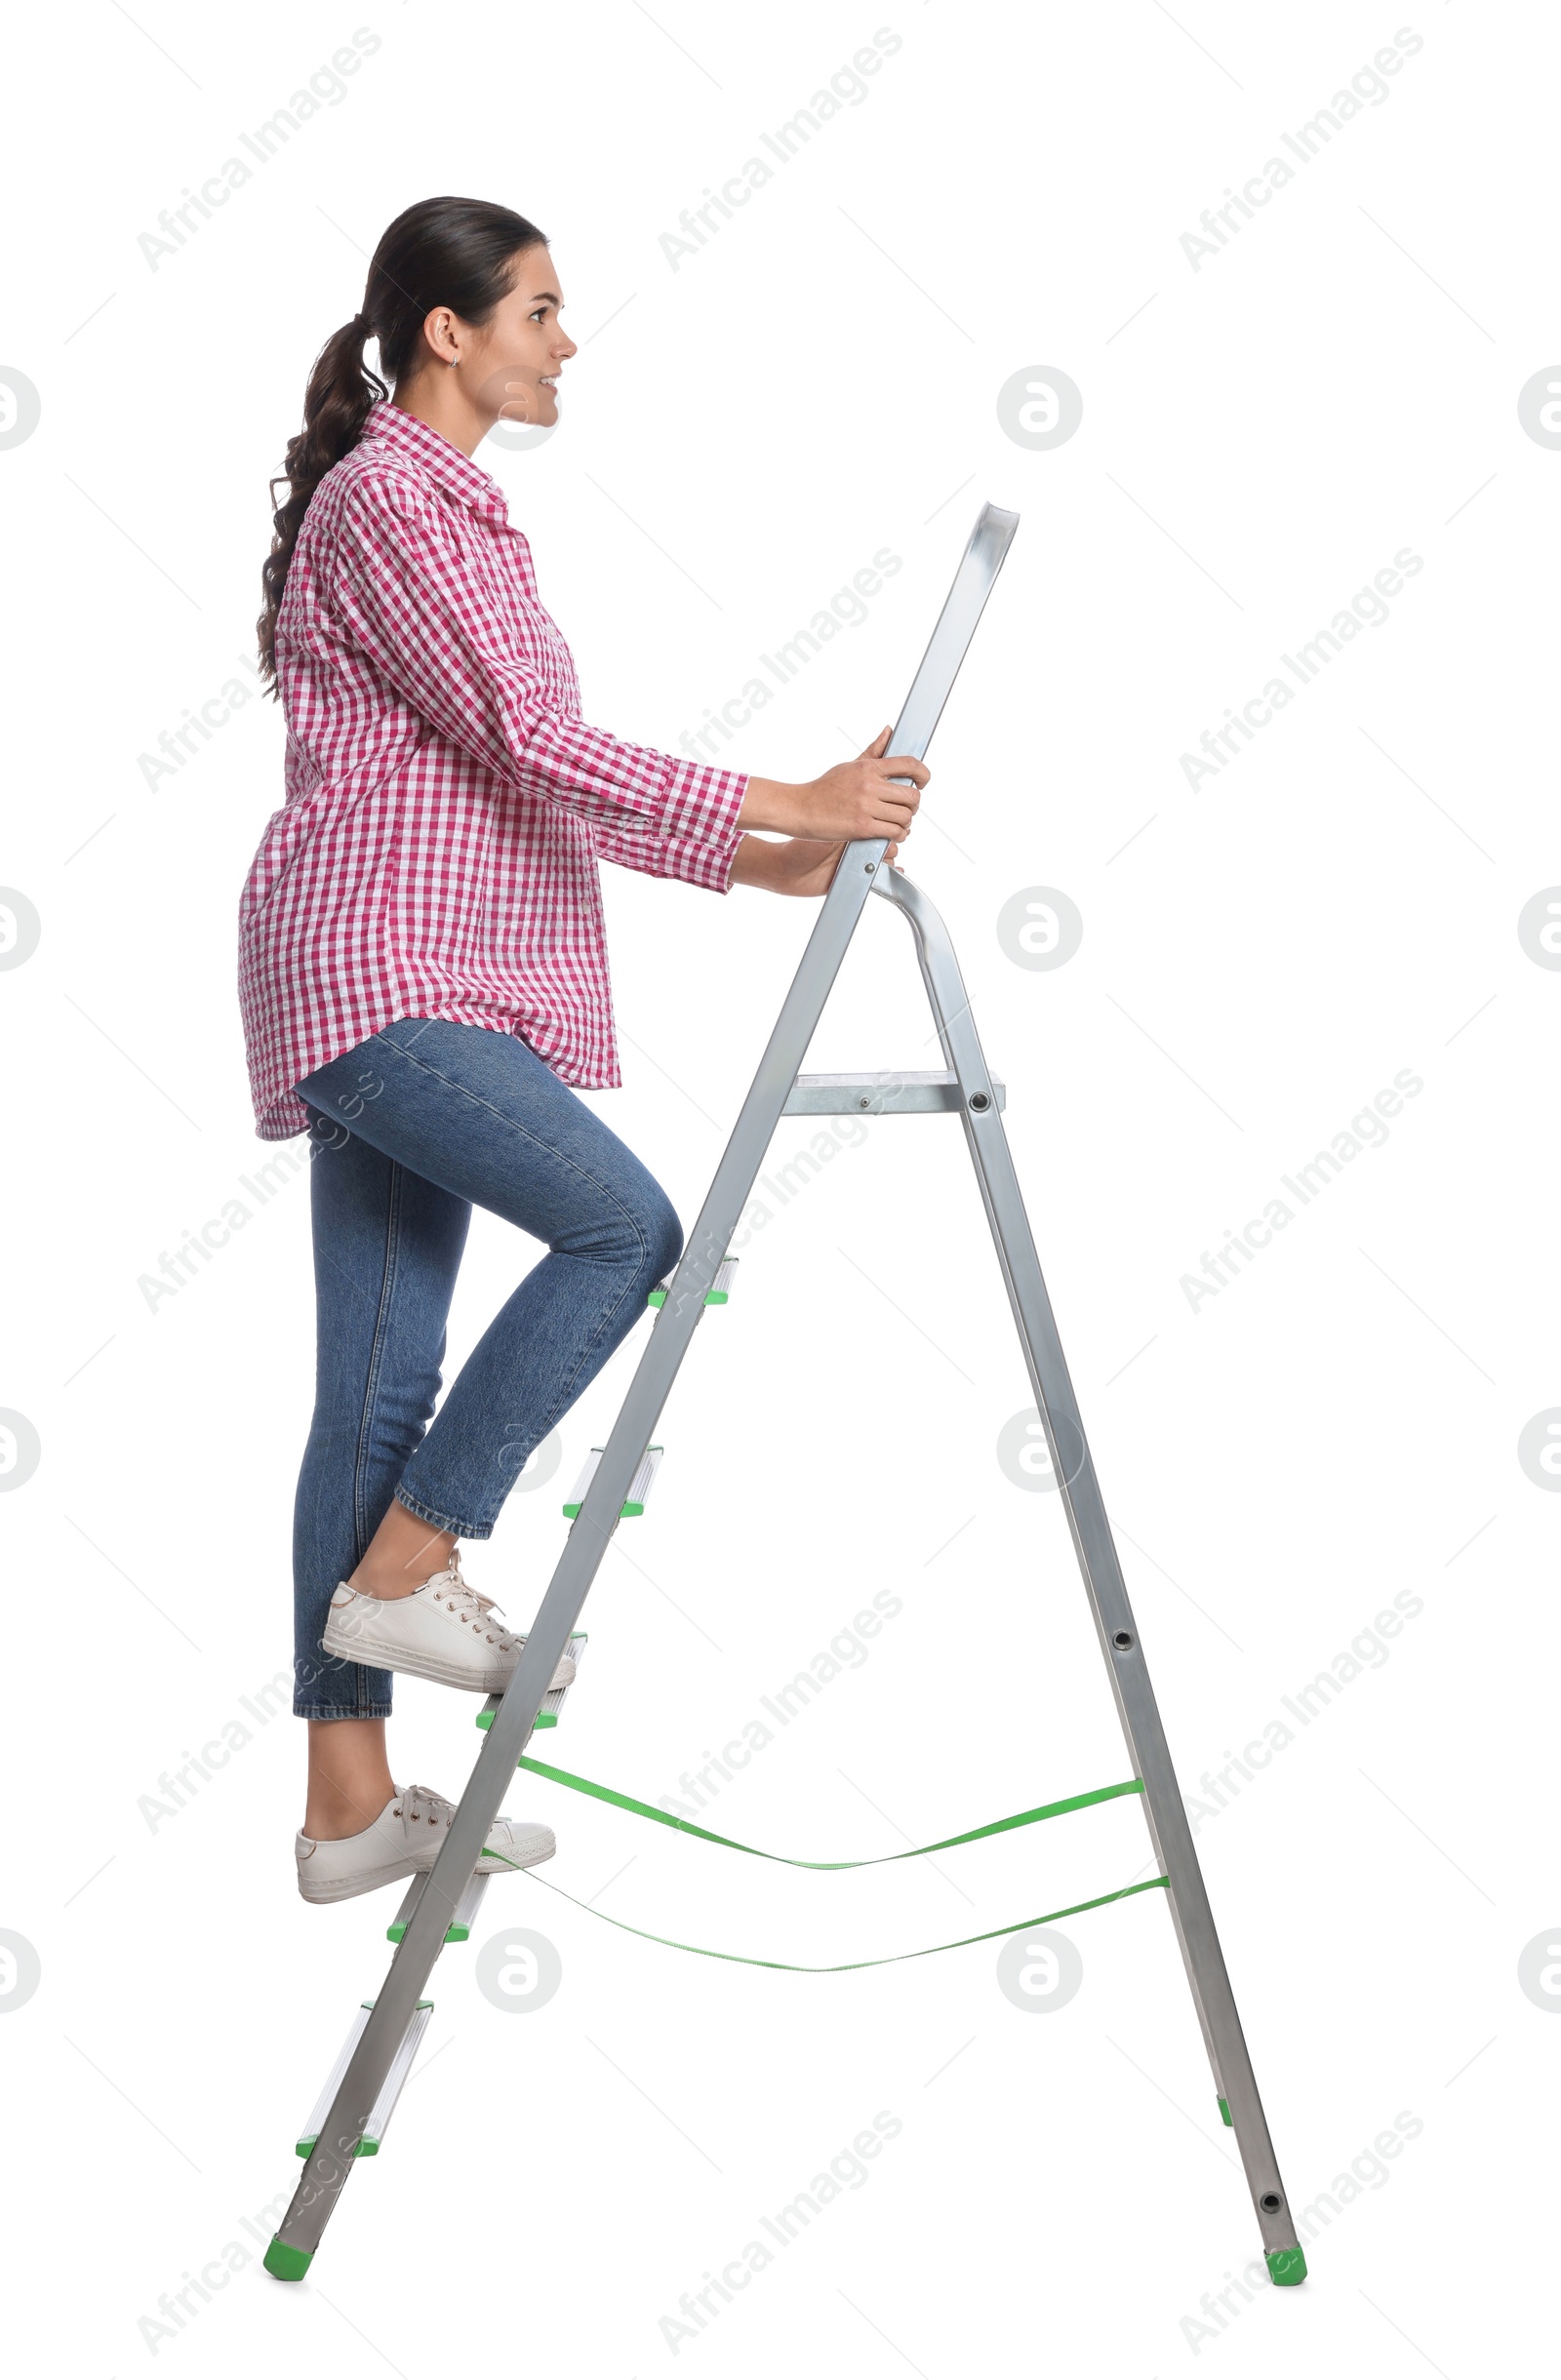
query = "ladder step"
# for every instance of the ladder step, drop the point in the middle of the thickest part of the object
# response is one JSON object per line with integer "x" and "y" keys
{"x": 716, "y": 1294}
{"x": 462, "y": 1919}
{"x": 374, "y": 2129}
{"x": 639, "y": 1487}
{"x": 928, "y": 1091}
{"x": 552, "y": 1702}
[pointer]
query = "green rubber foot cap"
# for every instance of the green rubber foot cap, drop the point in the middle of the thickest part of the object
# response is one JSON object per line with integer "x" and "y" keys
{"x": 286, "y": 2262}
{"x": 1224, "y": 2111}
{"x": 1286, "y": 2266}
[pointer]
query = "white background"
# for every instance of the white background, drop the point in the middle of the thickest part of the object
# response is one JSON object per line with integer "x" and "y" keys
{"x": 1260, "y": 956}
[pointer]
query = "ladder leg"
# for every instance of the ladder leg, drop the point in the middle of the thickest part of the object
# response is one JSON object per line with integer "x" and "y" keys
{"x": 1163, "y": 1809}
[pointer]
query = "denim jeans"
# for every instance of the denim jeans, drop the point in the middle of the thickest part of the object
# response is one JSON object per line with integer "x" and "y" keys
{"x": 410, "y": 1130}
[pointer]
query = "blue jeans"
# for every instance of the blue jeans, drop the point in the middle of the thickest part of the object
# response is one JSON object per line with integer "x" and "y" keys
{"x": 410, "y": 1130}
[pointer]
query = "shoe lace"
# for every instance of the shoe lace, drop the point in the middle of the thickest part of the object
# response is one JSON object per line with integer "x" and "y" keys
{"x": 475, "y": 1611}
{"x": 419, "y": 1802}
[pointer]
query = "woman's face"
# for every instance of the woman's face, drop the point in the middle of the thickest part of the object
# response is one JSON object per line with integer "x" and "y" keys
{"x": 509, "y": 367}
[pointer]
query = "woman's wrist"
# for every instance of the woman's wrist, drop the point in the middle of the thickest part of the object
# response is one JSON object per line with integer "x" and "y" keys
{"x": 771, "y": 805}
{"x": 753, "y": 863}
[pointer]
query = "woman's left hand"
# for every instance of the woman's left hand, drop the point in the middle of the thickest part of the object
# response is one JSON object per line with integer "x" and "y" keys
{"x": 797, "y": 867}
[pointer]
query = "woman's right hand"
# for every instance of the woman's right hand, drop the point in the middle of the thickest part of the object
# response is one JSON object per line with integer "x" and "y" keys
{"x": 856, "y": 801}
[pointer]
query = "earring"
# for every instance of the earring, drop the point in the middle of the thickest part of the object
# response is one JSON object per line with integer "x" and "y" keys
{"x": 453, "y": 361}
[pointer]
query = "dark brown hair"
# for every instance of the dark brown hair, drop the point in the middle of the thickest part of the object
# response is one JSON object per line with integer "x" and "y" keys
{"x": 453, "y": 251}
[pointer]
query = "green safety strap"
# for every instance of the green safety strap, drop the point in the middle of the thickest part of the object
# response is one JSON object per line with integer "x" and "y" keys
{"x": 849, "y": 1965}
{"x": 686, "y": 1826}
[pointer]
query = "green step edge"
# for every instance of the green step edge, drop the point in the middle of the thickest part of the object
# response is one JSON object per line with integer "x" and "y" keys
{"x": 1286, "y": 2266}
{"x": 1223, "y": 2110}
{"x": 543, "y": 1719}
{"x": 626, "y": 1512}
{"x": 365, "y": 2148}
{"x": 453, "y": 1933}
{"x": 712, "y": 1297}
{"x": 286, "y": 2262}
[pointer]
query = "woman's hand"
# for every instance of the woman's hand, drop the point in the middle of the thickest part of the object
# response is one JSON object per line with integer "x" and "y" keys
{"x": 857, "y": 799}
{"x": 804, "y": 865}
{"x": 854, "y": 801}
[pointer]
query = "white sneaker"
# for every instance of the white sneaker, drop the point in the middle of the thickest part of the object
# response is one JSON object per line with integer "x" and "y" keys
{"x": 405, "y": 1840}
{"x": 443, "y": 1630}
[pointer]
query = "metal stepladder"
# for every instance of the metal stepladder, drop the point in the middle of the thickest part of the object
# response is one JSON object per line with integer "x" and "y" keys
{"x": 354, "y": 2107}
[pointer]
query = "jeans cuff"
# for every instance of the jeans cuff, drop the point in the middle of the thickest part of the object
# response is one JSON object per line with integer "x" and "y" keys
{"x": 444, "y": 1519}
{"x": 373, "y": 1710}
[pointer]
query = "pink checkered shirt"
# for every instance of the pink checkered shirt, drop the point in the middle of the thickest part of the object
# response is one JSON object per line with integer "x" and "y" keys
{"x": 446, "y": 802}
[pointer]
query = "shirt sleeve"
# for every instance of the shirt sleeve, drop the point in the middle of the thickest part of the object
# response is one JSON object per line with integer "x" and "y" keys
{"x": 425, "y": 618}
{"x": 697, "y": 864}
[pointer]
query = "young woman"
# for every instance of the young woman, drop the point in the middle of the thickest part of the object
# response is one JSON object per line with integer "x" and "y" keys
{"x": 423, "y": 974}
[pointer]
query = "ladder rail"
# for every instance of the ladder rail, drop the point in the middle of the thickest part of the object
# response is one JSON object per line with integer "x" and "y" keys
{"x": 1164, "y": 1810}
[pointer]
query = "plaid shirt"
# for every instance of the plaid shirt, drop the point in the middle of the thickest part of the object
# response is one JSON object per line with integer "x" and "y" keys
{"x": 446, "y": 802}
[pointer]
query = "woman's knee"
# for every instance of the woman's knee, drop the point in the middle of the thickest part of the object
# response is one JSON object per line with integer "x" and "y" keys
{"x": 640, "y": 1231}
{"x": 658, "y": 1232}
{"x": 665, "y": 1233}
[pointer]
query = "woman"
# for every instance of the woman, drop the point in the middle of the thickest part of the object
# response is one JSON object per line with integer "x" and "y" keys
{"x": 423, "y": 974}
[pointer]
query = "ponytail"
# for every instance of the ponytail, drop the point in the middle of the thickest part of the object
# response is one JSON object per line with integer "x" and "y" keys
{"x": 453, "y": 251}
{"x": 336, "y": 403}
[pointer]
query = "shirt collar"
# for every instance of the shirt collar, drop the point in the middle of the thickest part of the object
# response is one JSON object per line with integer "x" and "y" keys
{"x": 450, "y": 471}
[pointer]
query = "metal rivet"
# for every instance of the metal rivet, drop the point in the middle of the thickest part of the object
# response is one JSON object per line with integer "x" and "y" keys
{"x": 1123, "y": 1638}
{"x": 1270, "y": 2202}
{"x": 978, "y": 1101}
